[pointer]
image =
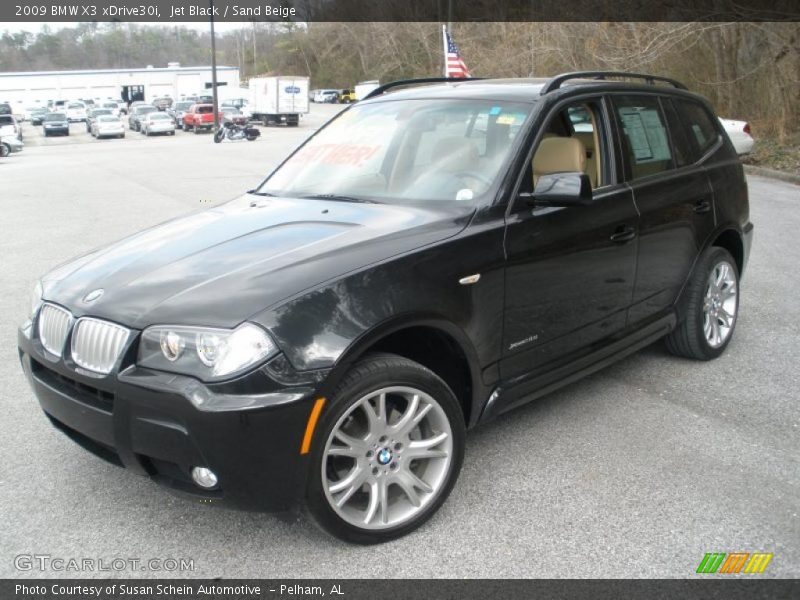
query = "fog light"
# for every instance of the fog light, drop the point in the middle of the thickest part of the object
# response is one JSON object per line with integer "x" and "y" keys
{"x": 205, "y": 478}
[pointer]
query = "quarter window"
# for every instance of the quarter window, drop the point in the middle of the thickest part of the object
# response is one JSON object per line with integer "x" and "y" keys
{"x": 645, "y": 139}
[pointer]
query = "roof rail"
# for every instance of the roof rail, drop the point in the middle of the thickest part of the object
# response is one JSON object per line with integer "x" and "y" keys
{"x": 393, "y": 84}
{"x": 556, "y": 81}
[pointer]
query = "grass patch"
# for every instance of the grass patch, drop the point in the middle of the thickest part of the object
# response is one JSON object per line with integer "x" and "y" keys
{"x": 772, "y": 154}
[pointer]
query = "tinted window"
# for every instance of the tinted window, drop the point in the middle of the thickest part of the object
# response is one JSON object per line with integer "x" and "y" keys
{"x": 645, "y": 140}
{"x": 681, "y": 145}
{"x": 700, "y": 128}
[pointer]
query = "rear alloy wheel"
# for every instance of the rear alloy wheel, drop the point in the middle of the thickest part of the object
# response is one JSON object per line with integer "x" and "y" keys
{"x": 389, "y": 452}
{"x": 711, "y": 308}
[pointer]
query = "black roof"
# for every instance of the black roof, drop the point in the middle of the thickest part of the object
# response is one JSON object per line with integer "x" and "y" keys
{"x": 514, "y": 89}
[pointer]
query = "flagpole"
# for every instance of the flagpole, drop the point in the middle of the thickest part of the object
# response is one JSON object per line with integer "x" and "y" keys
{"x": 444, "y": 47}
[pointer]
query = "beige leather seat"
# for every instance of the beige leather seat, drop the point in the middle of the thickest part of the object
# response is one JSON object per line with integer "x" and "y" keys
{"x": 587, "y": 137}
{"x": 558, "y": 155}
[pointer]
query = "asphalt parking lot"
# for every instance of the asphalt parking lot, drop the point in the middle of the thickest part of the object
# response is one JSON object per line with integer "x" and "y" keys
{"x": 636, "y": 471}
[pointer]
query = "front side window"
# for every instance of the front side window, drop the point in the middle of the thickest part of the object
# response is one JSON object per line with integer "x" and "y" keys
{"x": 645, "y": 141}
{"x": 405, "y": 151}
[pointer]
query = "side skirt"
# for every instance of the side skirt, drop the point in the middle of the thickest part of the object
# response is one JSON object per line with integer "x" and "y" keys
{"x": 504, "y": 399}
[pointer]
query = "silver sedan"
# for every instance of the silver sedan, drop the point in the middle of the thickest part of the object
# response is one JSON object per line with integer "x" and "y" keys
{"x": 158, "y": 122}
{"x": 107, "y": 126}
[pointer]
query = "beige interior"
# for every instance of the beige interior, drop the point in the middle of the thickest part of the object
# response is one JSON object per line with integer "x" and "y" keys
{"x": 559, "y": 155}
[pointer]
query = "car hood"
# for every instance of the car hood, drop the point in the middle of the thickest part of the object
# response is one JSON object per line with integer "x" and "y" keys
{"x": 220, "y": 266}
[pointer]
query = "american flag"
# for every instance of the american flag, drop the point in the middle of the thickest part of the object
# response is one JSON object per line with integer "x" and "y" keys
{"x": 453, "y": 64}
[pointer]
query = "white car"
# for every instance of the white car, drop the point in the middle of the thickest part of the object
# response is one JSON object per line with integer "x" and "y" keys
{"x": 107, "y": 126}
{"x": 326, "y": 96}
{"x": 739, "y": 132}
{"x": 10, "y": 127}
{"x": 157, "y": 122}
{"x": 9, "y": 144}
{"x": 111, "y": 105}
{"x": 76, "y": 111}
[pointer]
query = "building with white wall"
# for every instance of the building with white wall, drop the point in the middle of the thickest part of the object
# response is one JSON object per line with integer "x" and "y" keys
{"x": 128, "y": 84}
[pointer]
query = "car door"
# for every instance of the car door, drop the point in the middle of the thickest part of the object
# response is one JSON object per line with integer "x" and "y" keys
{"x": 570, "y": 270}
{"x": 673, "y": 197}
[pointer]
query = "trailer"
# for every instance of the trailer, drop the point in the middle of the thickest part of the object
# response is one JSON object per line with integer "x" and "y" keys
{"x": 276, "y": 100}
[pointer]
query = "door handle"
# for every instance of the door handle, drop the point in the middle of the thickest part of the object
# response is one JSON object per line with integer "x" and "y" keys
{"x": 702, "y": 206}
{"x": 624, "y": 233}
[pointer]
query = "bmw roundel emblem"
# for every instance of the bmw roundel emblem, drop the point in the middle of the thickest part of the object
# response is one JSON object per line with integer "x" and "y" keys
{"x": 93, "y": 295}
{"x": 384, "y": 456}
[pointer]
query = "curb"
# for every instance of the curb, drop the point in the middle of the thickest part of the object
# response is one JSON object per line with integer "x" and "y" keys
{"x": 773, "y": 174}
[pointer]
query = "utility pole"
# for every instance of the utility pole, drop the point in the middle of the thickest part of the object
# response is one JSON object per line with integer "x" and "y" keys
{"x": 214, "y": 68}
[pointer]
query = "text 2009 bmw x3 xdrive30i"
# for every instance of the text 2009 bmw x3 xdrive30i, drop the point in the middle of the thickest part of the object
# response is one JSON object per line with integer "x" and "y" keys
{"x": 432, "y": 257}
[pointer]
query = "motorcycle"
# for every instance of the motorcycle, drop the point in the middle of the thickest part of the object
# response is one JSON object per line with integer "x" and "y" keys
{"x": 232, "y": 131}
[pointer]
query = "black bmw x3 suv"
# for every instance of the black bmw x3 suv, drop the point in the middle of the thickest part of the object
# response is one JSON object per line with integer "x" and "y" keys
{"x": 435, "y": 255}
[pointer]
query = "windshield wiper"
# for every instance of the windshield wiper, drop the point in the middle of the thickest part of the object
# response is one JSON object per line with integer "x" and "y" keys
{"x": 338, "y": 197}
{"x": 256, "y": 193}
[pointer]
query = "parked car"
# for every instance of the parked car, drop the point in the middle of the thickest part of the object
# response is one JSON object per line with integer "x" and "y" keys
{"x": 9, "y": 144}
{"x": 232, "y": 115}
{"x": 200, "y": 117}
{"x": 162, "y": 103}
{"x": 177, "y": 111}
{"x": 328, "y": 338}
{"x": 740, "y": 135}
{"x": 347, "y": 96}
{"x": 111, "y": 105}
{"x": 107, "y": 125}
{"x": 326, "y": 96}
{"x": 37, "y": 115}
{"x": 55, "y": 123}
{"x": 5, "y": 108}
{"x": 157, "y": 122}
{"x": 10, "y": 127}
{"x": 136, "y": 115}
{"x": 76, "y": 111}
{"x": 93, "y": 113}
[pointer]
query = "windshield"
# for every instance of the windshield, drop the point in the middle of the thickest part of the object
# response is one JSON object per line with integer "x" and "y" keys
{"x": 76, "y": 105}
{"x": 110, "y": 105}
{"x": 108, "y": 119}
{"x": 405, "y": 150}
{"x": 159, "y": 116}
{"x": 55, "y": 117}
{"x": 143, "y": 110}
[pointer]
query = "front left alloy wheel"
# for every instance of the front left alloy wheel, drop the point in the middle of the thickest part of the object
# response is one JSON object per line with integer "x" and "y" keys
{"x": 389, "y": 451}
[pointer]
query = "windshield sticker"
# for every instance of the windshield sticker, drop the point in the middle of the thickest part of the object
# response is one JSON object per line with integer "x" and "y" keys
{"x": 336, "y": 154}
{"x": 495, "y": 110}
{"x": 506, "y": 120}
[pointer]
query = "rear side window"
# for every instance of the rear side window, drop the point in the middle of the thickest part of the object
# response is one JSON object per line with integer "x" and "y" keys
{"x": 682, "y": 146}
{"x": 644, "y": 133}
{"x": 700, "y": 127}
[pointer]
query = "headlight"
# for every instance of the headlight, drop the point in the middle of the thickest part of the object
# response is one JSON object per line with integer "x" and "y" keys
{"x": 36, "y": 299}
{"x": 206, "y": 353}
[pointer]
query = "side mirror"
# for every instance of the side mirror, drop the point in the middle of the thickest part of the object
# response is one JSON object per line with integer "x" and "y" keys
{"x": 562, "y": 189}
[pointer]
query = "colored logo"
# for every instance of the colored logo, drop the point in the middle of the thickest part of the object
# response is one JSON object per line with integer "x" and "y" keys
{"x": 734, "y": 562}
{"x": 292, "y": 89}
{"x": 385, "y": 456}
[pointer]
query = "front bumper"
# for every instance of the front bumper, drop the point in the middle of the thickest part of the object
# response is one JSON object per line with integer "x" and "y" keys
{"x": 248, "y": 431}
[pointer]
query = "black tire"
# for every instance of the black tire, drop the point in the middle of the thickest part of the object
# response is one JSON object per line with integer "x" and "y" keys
{"x": 219, "y": 135}
{"x": 368, "y": 375}
{"x": 688, "y": 338}
{"x": 4, "y": 150}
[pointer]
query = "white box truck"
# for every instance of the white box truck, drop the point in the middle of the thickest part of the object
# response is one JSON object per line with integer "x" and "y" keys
{"x": 363, "y": 88}
{"x": 276, "y": 100}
